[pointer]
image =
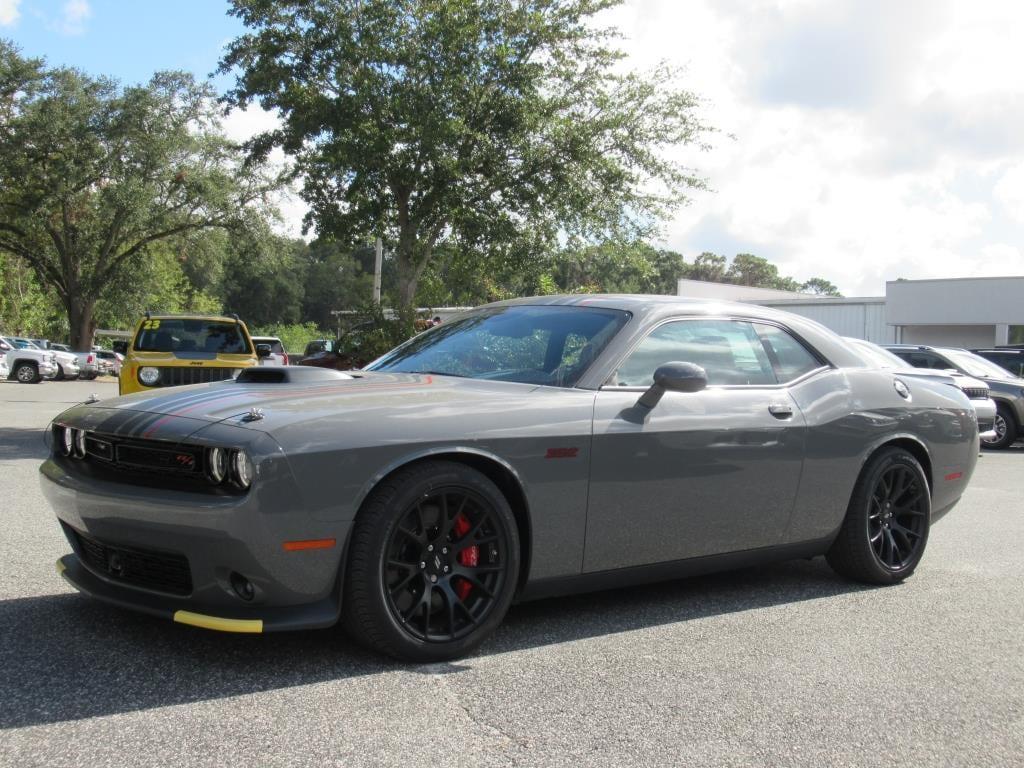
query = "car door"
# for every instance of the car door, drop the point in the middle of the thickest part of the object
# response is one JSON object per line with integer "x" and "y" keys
{"x": 701, "y": 473}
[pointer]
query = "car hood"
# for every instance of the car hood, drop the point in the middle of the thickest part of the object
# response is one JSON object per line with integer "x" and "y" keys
{"x": 286, "y": 404}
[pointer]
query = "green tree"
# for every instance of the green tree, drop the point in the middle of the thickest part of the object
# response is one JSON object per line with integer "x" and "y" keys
{"x": 475, "y": 123}
{"x": 708, "y": 267}
{"x": 92, "y": 175}
{"x": 266, "y": 274}
{"x": 820, "y": 286}
{"x": 337, "y": 279}
{"x": 748, "y": 269}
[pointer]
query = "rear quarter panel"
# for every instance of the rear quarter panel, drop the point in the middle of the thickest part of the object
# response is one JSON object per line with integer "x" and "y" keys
{"x": 851, "y": 413}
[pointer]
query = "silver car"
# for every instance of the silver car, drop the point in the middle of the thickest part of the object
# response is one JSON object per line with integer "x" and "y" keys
{"x": 976, "y": 390}
{"x": 524, "y": 449}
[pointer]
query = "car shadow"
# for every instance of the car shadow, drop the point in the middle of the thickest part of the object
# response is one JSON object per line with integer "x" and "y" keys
{"x": 22, "y": 443}
{"x": 66, "y": 657}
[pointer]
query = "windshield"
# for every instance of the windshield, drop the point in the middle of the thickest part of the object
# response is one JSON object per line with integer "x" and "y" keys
{"x": 24, "y": 344}
{"x": 179, "y": 334}
{"x": 975, "y": 365}
{"x": 876, "y": 356}
{"x": 550, "y": 345}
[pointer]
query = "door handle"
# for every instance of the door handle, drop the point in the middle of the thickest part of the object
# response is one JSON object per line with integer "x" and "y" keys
{"x": 780, "y": 410}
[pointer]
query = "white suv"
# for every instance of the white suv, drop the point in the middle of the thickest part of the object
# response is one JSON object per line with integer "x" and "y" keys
{"x": 277, "y": 354}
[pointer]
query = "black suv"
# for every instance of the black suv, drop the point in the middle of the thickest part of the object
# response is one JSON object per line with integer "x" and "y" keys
{"x": 1006, "y": 389}
{"x": 1005, "y": 357}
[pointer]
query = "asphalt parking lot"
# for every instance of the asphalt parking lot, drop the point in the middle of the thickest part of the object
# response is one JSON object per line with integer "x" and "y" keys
{"x": 783, "y": 665}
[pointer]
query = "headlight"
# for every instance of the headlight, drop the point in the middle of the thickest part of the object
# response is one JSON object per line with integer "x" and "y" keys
{"x": 80, "y": 443}
{"x": 217, "y": 464}
{"x": 66, "y": 440}
{"x": 149, "y": 376}
{"x": 241, "y": 466}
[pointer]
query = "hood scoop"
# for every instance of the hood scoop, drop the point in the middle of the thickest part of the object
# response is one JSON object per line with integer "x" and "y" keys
{"x": 289, "y": 374}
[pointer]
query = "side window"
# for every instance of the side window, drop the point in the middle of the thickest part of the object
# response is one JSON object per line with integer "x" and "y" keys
{"x": 792, "y": 359}
{"x": 729, "y": 351}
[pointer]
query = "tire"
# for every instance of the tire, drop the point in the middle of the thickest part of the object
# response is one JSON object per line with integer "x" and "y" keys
{"x": 27, "y": 373}
{"x": 60, "y": 373}
{"x": 464, "y": 585}
{"x": 1005, "y": 427}
{"x": 89, "y": 376}
{"x": 885, "y": 531}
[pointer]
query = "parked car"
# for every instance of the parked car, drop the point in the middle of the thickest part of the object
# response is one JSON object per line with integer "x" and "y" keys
{"x": 173, "y": 350}
{"x": 328, "y": 353}
{"x": 1006, "y": 389}
{"x": 276, "y": 354}
{"x": 976, "y": 390}
{"x": 67, "y": 362}
{"x": 88, "y": 367}
{"x": 524, "y": 449}
{"x": 26, "y": 363}
{"x": 1008, "y": 358}
{"x": 113, "y": 360}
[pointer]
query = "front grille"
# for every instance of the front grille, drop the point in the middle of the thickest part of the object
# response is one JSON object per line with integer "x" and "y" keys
{"x": 159, "y": 571}
{"x": 975, "y": 393}
{"x": 149, "y": 463}
{"x": 176, "y": 376}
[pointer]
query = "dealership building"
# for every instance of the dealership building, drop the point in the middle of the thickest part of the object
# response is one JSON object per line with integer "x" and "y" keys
{"x": 960, "y": 312}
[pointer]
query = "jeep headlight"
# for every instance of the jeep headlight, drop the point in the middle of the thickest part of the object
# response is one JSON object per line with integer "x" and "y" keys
{"x": 149, "y": 376}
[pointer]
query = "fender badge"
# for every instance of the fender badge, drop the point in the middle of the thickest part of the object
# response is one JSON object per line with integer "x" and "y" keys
{"x": 254, "y": 414}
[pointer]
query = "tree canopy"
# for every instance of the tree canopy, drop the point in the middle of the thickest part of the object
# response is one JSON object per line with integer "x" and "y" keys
{"x": 492, "y": 125}
{"x": 93, "y": 175}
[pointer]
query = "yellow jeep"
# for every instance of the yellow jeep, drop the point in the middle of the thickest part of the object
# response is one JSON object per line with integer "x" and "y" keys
{"x": 172, "y": 350}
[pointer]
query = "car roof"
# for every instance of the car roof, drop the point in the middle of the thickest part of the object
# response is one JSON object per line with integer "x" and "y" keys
{"x": 649, "y": 309}
{"x": 268, "y": 338}
{"x": 188, "y": 316}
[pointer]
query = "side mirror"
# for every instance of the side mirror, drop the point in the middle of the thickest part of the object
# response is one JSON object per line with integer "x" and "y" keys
{"x": 262, "y": 350}
{"x": 121, "y": 347}
{"x": 677, "y": 377}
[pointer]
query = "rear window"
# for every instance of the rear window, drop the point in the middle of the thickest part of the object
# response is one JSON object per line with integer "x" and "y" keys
{"x": 179, "y": 334}
{"x": 275, "y": 344}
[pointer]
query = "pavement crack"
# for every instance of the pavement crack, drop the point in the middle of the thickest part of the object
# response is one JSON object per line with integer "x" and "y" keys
{"x": 508, "y": 739}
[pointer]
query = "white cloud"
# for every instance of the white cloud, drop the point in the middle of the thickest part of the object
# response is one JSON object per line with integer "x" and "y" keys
{"x": 874, "y": 140}
{"x": 241, "y": 125}
{"x": 73, "y": 16}
{"x": 1009, "y": 192}
{"x": 9, "y": 12}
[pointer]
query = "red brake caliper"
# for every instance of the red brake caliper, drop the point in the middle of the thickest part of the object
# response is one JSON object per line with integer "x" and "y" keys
{"x": 469, "y": 557}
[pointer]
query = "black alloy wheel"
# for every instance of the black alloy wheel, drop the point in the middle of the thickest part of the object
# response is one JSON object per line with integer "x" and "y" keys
{"x": 897, "y": 516}
{"x": 433, "y": 563}
{"x": 445, "y": 564}
{"x": 1004, "y": 427}
{"x": 885, "y": 531}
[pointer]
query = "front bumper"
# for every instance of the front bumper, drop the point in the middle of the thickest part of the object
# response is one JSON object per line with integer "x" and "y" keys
{"x": 265, "y": 619}
{"x": 217, "y": 537}
{"x": 47, "y": 371}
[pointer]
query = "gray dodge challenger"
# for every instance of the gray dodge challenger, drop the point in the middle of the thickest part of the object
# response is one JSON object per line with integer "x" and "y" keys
{"x": 525, "y": 449}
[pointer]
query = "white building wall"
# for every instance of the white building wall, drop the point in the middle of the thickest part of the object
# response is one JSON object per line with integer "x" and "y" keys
{"x": 966, "y": 336}
{"x": 859, "y": 318}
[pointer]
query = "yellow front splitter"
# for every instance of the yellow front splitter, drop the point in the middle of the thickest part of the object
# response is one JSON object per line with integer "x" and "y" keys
{"x": 216, "y": 622}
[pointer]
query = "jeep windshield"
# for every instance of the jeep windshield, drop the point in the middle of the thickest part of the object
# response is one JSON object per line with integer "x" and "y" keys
{"x": 179, "y": 335}
{"x": 550, "y": 345}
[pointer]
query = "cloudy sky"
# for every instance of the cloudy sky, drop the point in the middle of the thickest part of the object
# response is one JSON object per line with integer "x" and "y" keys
{"x": 870, "y": 140}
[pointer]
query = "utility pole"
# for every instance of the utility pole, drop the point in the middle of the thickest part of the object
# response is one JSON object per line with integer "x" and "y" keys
{"x": 378, "y": 260}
